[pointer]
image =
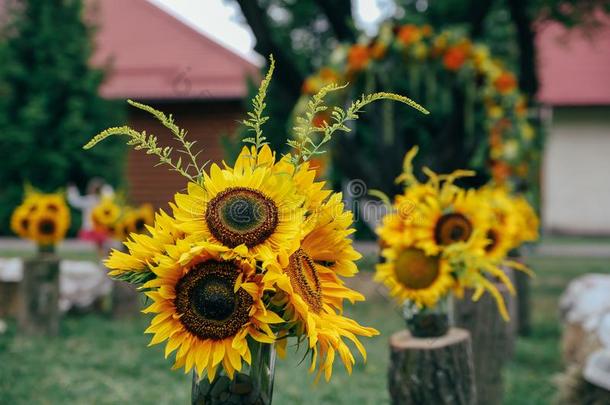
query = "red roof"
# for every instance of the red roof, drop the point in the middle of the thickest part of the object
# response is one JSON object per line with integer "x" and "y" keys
{"x": 574, "y": 69}
{"x": 153, "y": 55}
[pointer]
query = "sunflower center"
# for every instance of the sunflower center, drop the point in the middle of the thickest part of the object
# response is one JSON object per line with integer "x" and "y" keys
{"x": 46, "y": 227}
{"x": 213, "y": 298}
{"x": 452, "y": 228}
{"x": 241, "y": 215}
{"x": 207, "y": 303}
{"x": 415, "y": 270}
{"x": 492, "y": 235}
{"x": 139, "y": 225}
{"x": 304, "y": 279}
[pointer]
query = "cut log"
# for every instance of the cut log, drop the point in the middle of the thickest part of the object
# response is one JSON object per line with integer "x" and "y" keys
{"x": 38, "y": 308}
{"x": 125, "y": 300}
{"x": 492, "y": 338}
{"x": 524, "y": 322}
{"x": 432, "y": 371}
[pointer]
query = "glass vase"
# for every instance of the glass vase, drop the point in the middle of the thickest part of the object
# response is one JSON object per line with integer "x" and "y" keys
{"x": 253, "y": 385}
{"x": 424, "y": 322}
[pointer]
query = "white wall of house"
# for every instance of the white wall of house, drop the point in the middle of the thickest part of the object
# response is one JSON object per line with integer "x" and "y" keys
{"x": 576, "y": 172}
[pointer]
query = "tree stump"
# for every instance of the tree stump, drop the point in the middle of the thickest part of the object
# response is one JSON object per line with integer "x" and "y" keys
{"x": 432, "y": 371}
{"x": 512, "y": 329}
{"x": 125, "y": 300}
{"x": 38, "y": 308}
{"x": 524, "y": 322}
{"x": 492, "y": 338}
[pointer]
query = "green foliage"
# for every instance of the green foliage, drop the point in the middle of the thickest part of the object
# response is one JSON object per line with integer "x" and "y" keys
{"x": 193, "y": 171}
{"x": 306, "y": 146}
{"x": 49, "y": 103}
{"x": 257, "y": 119}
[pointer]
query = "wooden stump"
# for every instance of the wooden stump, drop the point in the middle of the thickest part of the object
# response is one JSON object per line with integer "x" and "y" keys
{"x": 432, "y": 371}
{"x": 492, "y": 338}
{"x": 38, "y": 308}
{"x": 512, "y": 328}
{"x": 522, "y": 284}
{"x": 125, "y": 300}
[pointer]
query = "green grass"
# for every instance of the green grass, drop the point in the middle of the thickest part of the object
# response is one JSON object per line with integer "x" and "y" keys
{"x": 103, "y": 361}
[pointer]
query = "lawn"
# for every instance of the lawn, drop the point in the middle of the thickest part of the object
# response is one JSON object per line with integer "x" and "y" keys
{"x": 102, "y": 361}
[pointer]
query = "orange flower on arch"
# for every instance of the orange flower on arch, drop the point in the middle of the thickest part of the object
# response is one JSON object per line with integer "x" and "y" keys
{"x": 454, "y": 58}
{"x": 505, "y": 83}
{"x": 358, "y": 57}
{"x": 409, "y": 34}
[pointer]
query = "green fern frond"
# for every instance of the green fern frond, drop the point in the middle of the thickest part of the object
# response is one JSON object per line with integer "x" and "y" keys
{"x": 257, "y": 119}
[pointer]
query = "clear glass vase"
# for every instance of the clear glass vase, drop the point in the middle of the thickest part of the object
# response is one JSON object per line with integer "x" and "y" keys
{"x": 426, "y": 322}
{"x": 253, "y": 385}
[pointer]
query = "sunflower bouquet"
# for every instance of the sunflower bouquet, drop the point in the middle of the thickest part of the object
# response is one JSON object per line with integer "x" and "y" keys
{"x": 438, "y": 240}
{"x": 118, "y": 221}
{"x": 253, "y": 253}
{"x": 42, "y": 218}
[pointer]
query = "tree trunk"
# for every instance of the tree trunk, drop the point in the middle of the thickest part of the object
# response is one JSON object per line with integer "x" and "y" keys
{"x": 492, "y": 339}
{"x": 432, "y": 371}
{"x": 39, "y": 296}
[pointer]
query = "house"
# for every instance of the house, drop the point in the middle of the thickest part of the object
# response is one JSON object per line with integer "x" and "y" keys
{"x": 574, "y": 70}
{"x": 159, "y": 60}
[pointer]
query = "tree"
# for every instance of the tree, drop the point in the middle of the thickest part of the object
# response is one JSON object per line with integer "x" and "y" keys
{"x": 49, "y": 102}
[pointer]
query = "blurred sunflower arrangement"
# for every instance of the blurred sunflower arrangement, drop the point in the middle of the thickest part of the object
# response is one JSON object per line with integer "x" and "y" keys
{"x": 428, "y": 64}
{"x": 41, "y": 217}
{"x": 252, "y": 254}
{"x": 118, "y": 220}
{"x": 440, "y": 239}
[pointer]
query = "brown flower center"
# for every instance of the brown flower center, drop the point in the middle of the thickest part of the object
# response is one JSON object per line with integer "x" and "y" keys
{"x": 241, "y": 215}
{"x": 207, "y": 303}
{"x": 492, "y": 235}
{"x": 140, "y": 225}
{"x": 304, "y": 279}
{"x": 415, "y": 270}
{"x": 46, "y": 226}
{"x": 452, "y": 228}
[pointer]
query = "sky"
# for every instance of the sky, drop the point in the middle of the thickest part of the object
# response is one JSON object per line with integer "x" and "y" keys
{"x": 220, "y": 20}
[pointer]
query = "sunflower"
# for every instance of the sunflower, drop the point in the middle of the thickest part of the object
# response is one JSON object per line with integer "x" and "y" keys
{"x": 142, "y": 216}
{"x": 208, "y": 303}
{"x": 250, "y": 204}
{"x": 46, "y": 228}
{"x": 412, "y": 274}
{"x": 528, "y": 223}
{"x": 20, "y": 221}
{"x": 396, "y": 226}
{"x": 105, "y": 215}
{"x": 450, "y": 216}
{"x": 504, "y": 221}
{"x": 145, "y": 250}
{"x": 54, "y": 204}
{"x": 313, "y": 293}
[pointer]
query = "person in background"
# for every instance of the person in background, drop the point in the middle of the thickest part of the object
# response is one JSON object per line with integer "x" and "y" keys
{"x": 96, "y": 189}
